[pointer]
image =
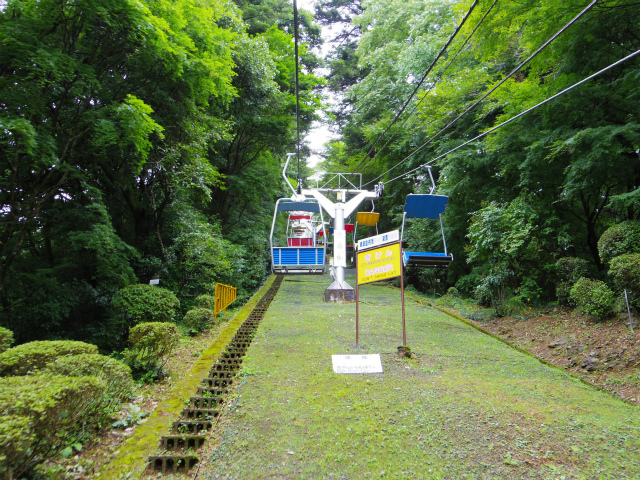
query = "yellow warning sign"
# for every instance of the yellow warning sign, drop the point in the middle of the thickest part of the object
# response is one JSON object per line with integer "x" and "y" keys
{"x": 379, "y": 263}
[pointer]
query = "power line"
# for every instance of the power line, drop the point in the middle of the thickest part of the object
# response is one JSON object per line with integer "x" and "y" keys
{"x": 295, "y": 32}
{"x": 439, "y": 77}
{"x": 419, "y": 84}
{"x": 515, "y": 70}
{"x": 484, "y": 134}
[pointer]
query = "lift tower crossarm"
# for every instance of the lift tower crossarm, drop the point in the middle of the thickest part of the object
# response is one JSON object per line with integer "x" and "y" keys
{"x": 348, "y": 208}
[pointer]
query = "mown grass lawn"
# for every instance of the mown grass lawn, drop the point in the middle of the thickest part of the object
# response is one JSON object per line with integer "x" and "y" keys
{"x": 467, "y": 406}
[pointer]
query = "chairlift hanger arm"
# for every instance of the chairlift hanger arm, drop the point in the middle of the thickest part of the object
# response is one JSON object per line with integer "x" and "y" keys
{"x": 284, "y": 173}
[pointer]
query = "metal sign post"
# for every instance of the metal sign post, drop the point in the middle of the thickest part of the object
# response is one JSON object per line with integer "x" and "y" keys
{"x": 379, "y": 262}
{"x": 404, "y": 326}
{"x": 357, "y": 303}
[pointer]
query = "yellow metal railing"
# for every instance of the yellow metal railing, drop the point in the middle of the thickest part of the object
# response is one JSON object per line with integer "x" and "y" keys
{"x": 225, "y": 295}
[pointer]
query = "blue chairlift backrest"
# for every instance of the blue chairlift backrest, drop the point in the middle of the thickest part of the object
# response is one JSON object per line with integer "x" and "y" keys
{"x": 291, "y": 206}
{"x": 425, "y": 205}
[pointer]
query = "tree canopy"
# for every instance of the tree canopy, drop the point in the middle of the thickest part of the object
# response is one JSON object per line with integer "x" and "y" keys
{"x": 541, "y": 188}
{"x": 139, "y": 140}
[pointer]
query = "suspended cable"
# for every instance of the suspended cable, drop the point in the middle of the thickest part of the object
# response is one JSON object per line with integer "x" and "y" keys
{"x": 484, "y": 134}
{"x": 295, "y": 34}
{"x": 439, "y": 77}
{"x": 415, "y": 90}
{"x": 515, "y": 70}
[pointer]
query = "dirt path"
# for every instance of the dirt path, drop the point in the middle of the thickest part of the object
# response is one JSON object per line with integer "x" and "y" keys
{"x": 467, "y": 406}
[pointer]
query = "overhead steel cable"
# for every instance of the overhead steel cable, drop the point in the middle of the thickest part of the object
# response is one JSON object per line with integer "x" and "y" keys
{"x": 515, "y": 70}
{"x": 295, "y": 34}
{"x": 415, "y": 90}
{"x": 484, "y": 134}
{"x": 439, "y": 77}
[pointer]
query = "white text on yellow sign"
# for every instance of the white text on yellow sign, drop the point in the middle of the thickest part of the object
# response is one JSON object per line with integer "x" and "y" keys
{"x": 379, "y": 264}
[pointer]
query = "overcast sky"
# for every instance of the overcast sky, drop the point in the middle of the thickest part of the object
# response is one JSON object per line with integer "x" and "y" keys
{"x": 319, "y": 133}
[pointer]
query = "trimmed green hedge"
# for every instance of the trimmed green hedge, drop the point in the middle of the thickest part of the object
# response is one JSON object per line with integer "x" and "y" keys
{"x": 29, "y": 357}
{"x": 199, "y": 318}
{"x": 151, "y": 344}
{"x": 593, "y": 297}
{"x": 206, "y": 301}
{"x": 115, "y": 374}
{"x": 145, "y": 303}
{"x": 41, "y": 414}
{"x": 625, "y": 271}
{"x": 569, "y": 271}
{"x": 620, "y": 239}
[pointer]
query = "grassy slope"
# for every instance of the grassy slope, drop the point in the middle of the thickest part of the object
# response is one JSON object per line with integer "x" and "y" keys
{"x": 467, "y": 407}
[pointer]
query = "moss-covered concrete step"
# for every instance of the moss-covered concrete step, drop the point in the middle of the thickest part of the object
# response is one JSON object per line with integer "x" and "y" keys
{"x": 237, "y": 350}
{"x": 217, "y": 382}
{"x": 200, "y": 413}
{"x": 225, "y": 367}
{"x": 206, "y": 402}
{"x": 246, "y": 335}
{"x": 219, "y": 375}
{"x": 173, "y": 443}
{"x": 237, "y": 360}
{"x": 212, "y": 391}
{"x": 192, "y": 426}
{"x": 172, "y": 463}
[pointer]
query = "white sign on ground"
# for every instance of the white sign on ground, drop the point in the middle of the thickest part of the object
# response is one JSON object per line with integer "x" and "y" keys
{"x": 389, "y": 237}
{"x": 357, "y": 363}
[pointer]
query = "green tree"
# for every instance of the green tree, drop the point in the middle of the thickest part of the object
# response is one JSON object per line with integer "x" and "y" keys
{"x": 575, "y": 160}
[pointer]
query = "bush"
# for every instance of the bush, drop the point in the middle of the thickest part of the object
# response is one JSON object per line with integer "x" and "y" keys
{"x": 453, "y": 292}
{"x": 450, "y": 299}
{"x": 150, "y": 345}
{"x": 513, "y": 306}
{"x": 145, "y": 303}
{"x": 482, "y": 295}
{"x": 115, "y": 374}
{"x": 32, "y": 356}
{"x": 625, "y": 271}
{"x": 41, "y": 414}
{"x": 6, "y": 339}
{"x": 206, "y": 301}
{"x": 569, "y": 271}
{"x": 198, "y": 319}
{"x": 593, "y": 297}
{"x": 492, "y": 291}
{"x": 620, "y": 239}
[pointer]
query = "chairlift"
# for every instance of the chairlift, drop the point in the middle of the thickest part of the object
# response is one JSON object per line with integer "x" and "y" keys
{"x": 367, "y": 219}
{"x": 302, "y": 255}
{"x": 429, "y": 206}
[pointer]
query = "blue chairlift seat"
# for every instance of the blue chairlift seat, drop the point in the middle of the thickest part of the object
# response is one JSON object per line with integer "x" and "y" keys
{"x": 297, "y": 260}
{"x": 426, "y": 206}
{"x": 426, "y": 259}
